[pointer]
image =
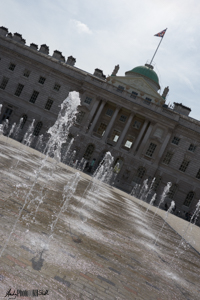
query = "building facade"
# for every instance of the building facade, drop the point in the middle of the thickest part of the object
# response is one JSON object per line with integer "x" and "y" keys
{"x": 125, "y": 115}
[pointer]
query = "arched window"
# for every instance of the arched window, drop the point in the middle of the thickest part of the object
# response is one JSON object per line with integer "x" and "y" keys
{"x": 24, "y": 119}
{"x": 172, "y": 191}
{"x": 37, "y": 128}
{"x": 88, "y": 152}
{"x": 156, "y": 183}
{"x": 118, "y": 165}
{"x": 139, "y": 175}
{"x": 188, "y": 199}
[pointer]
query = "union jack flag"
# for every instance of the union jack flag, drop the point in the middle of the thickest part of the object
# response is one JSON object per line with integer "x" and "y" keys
{"x": 161, "y": 34}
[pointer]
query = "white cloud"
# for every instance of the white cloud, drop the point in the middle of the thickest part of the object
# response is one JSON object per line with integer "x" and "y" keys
{"x": 81, "y": 27}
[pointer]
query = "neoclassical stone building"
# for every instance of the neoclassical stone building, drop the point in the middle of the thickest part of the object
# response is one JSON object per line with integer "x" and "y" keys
{"x": 125, "y": 115}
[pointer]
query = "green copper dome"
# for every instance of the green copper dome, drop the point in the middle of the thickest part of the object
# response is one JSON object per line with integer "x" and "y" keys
{"x": 145, "y": 71}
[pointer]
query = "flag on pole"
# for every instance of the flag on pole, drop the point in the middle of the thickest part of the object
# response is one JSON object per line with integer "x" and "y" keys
{"x": 161, "y": 34}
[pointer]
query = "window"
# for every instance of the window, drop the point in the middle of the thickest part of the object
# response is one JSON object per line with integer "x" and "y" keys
{"x": 42, "y": 80}
{"x": 37, "y": 129}
{"x": 102, "y": 128}
{"x": 23, "y": 121}
{"x": 156, "y": 183}
{"x": 88, "y": 100}
{"x": 148, "y": 99}
{"x": 109, "y": 112}
{"x": 26, "y": 73}
{"x": 123, "y": 118}
{"x": 57, "y": 87}
{"x": 7, "y": 114}
{"x": 118, "y": 165}
{"x": 120, "y": 88}
{"x": 151, "y": 149}
{"x": 134, "y": 95}
{"x": 139, "y": 175}
{"x": 188, "y": 199}
{"x": 172, "y": 191}
{"x": 167, "y": 158}
{"x": 175, "y": 140}
{"x": 198, "y": 174}
{"x": 19, "y": 89}
{"x": 79, "y": 117}
{"x": 115, "y": 135}
{"x": 4, "y": 83}
{"x": 11, "y": 66}
{"x": 34, "y": 97}
{"x": 136, "y": 124}
{"x": 88, "y": 152}
{"x": 184, "y": 165}
{"x": 128, "y": 143}
{"x": 48, "y": 104}
{"x": 192, "y": 148}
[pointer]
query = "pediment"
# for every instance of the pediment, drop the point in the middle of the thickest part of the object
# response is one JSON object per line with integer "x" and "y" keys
{"x": 137, "y": 83}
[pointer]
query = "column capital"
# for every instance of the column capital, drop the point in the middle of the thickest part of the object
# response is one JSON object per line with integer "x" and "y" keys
{"x": 99, "y": 98}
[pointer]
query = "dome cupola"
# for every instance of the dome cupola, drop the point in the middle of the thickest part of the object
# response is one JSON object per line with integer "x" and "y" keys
{"x": 147, "y": 73}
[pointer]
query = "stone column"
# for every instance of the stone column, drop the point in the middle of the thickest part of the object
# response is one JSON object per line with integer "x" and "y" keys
{"x": 94, "y": 107}
{"x": 139, "y": 136}
{"x": 122, "y": 136}
{"x": 145, "y": 139}
{"x": 96, "y": 117}
{"x": 162, "y": 149}
{"x": 110, "y": 125}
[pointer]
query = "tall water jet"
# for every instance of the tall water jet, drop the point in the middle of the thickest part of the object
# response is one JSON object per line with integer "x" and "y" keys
{"x": 60, "y": 130}
{"x": 135, "y": 190}
{"x": 17, "y": 129}
{"x": 144, "y": 190}
{"x": 102, "y": 174}
{"x": 28, "y": 135}
{"x": 163, "y": 196}
{"x": 58, "y": 133}
{"x": 150, "y": 189}
{"x": 165, "y": 220}
{"x": 12, "y": 130}
{"x": 151, "y": 203}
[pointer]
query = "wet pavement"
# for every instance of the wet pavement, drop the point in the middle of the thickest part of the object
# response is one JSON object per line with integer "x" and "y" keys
{"x": 102, "y": 246}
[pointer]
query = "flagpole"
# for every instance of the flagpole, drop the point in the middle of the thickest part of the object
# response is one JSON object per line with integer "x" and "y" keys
{"x": 157, "y": 49}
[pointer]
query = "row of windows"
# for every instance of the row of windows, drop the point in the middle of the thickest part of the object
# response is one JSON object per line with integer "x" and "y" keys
{"x": 33, "y": 97}
{"x": 26, "y": 73}
{"x": 133, "y": 94}
{"x": 168, "y": 156}
{"x": 176, "y": 141}
{"x": 183, "y": 167}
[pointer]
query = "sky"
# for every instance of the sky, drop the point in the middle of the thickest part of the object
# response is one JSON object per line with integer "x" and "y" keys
{"x": 103, "y": 33}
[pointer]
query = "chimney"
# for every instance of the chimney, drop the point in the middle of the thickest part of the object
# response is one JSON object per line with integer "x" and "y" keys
{"x": 44, "y": 49}
{"x": 71, "y": 61}
{"x": 3, "y": 31}
{"x": 58, "y": 55}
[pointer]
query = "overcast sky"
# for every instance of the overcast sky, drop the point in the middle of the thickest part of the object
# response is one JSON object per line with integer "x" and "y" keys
{"x": 104, "y": 33}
